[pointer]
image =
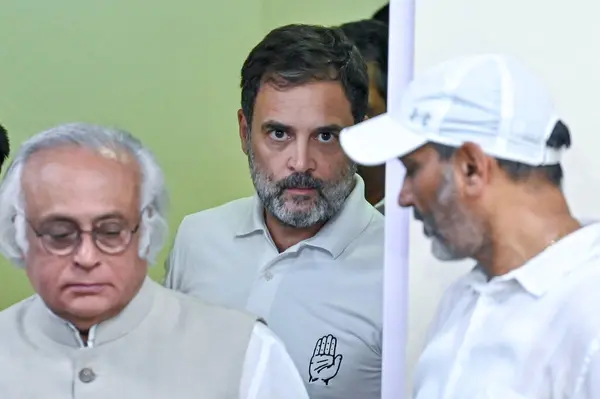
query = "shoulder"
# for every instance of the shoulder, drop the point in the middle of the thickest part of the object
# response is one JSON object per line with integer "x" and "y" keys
{"x": 451, "y": 297}
{"x": 377, "y": 223}
{"x": 367, "y": 249}
{"x": 226, "y": 215}
{"x": 579, "y": 304}
{"x": 191, "y": 310}
{"x": 12, "y": 316}
{"x": 371, "y": 233}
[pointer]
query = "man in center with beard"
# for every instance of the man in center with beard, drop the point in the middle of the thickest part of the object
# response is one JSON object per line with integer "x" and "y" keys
{"x": 306, "y": 252}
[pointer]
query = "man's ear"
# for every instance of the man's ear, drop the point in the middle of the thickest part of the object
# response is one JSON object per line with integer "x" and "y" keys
{"x": 474, "y": 168}
{"x": 244, "y": 131}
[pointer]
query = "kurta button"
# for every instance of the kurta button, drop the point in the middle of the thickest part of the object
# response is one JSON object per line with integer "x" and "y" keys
{"x": 87, "y": 375}
{"x": 268, "y": 276}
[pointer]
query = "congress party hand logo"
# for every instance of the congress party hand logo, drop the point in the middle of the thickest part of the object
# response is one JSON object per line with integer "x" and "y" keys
{"x": 325, "y": 363}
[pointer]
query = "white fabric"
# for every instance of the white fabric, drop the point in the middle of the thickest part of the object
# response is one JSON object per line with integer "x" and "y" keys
{"x": 380, "y": 206}
{"x": 268, "y": 372}
{"x": 162, "y": 345}
{"x": 491, "y": 100}
{"x": 321, "y": 297}
{"x": 532, "y": 333}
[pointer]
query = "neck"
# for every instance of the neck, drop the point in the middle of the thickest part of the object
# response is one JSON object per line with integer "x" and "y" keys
{"x": 84, "y": 335}
{"x": 525, "y": 232}
{"x": 284, "y": 236}
{"x": 83, "y": 325}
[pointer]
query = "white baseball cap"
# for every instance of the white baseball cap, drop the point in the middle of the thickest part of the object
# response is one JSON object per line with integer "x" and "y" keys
{"x": 491, "y": 100}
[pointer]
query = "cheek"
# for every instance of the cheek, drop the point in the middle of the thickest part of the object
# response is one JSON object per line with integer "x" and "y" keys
{"x": 266, "y": 160}
{"x": 331, "y": 164}
{"x": 127, "y": 267}
{"x": 46, "y": 273}
{"x": 423, "y": 195}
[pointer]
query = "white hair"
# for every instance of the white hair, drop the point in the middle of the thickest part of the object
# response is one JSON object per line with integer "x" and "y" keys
{"x": 154, "y": 197}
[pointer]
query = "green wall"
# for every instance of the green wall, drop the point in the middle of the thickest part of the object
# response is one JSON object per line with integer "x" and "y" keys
{"x": 166, "y": 71}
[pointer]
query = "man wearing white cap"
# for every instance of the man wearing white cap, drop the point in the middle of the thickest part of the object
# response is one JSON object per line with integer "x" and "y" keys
{"x": 482, "y": 146}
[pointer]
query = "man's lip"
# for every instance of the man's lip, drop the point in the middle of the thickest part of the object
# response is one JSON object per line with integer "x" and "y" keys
{"x": 300, "y": 190}
{"x": 85, "y": 287}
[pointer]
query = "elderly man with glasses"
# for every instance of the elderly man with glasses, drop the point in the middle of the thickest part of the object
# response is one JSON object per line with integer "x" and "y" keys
{"x": 82, "y": 209}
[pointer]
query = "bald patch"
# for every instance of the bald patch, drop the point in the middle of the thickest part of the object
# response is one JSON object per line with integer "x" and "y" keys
{"x": 80, "y": 183}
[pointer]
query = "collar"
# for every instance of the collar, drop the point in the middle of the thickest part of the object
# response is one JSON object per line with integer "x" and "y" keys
{"x": 336, "y": 234}
{"x": 547, "y": 269}
{"x": 42, "y": 321}
{"x": 380, "y": 206}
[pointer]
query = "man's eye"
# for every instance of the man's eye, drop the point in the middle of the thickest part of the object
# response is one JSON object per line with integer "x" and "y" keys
{"x": 109, "y": 233}
{"x": 326, "y": 137}
{"x": 278, "y": 135}
{"x": 59, "y": 232}
{"x": 61, "y": 235}
{"x": 411, "y": 171}
{"x": 110, "y": 230}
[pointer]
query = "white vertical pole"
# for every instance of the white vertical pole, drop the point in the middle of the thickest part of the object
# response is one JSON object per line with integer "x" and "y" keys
{"x": 395, "y": 304}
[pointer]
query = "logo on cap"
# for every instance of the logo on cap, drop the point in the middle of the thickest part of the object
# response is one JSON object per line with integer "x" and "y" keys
{"x": 420, "y": 117}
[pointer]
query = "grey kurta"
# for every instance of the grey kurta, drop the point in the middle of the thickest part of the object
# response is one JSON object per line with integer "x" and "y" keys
{"x": 163, "y": 345}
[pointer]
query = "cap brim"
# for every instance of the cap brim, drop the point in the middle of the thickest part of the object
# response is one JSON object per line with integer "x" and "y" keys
{"x": 378, "y": 140}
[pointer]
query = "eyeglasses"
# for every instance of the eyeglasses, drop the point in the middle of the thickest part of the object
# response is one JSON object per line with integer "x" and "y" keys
{"x": 63, "y": 237}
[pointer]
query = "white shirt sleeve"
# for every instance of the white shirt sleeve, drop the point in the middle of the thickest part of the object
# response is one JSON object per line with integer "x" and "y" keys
{"x": 269, "y": 372}
{"x": 175, "y": 262}
{"x": 170, "y": 280}
{"x": 588, "y": 386}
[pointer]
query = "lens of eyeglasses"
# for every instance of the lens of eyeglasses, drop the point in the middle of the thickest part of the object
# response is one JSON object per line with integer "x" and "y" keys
{"x": 112, "y": 237}
{"x": 63, "y": 237}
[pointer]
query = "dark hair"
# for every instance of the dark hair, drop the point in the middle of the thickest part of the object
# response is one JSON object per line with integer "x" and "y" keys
{"x": 383, "y": 14}
{"x": 559, "y": 138}
{"x": 297, "y": 54}
{"x": 371, "y": 39}
{"x": 4, "y": 145}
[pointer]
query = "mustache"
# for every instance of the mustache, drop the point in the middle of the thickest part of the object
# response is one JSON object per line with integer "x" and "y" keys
{"x": 428, "y": 225}
{"x": 417, "y": 215}
{"x": 300, "y": 180}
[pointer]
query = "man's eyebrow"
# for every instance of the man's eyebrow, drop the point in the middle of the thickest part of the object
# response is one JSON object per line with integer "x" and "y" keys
{"x": 408, "y": 162}
{"x": 274, "y": 125}
{"x": 60, "y": 217}
{"x": 110, "y": 215}
{"x": 334, "y": 127}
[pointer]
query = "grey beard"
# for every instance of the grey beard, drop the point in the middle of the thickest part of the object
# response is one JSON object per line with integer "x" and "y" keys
{"x": 310, "y": 212}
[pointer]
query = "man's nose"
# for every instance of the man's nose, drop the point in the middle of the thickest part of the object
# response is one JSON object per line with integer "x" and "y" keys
{"x": 406, "y": 198}
{"x": 87, "y": 254}
{"x": 301, "y": 160}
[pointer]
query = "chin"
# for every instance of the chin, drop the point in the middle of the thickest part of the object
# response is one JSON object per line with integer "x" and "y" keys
{"x": 302, "y": 206}
{"x": 441, "y": 251}
{"x": 89, "y": 307}
{"x": 301, "y": 200}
